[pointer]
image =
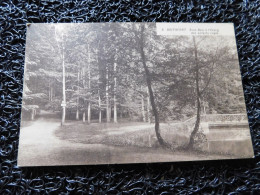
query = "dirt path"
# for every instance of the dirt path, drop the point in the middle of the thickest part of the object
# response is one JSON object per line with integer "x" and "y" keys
{"x": 39, "y": 146}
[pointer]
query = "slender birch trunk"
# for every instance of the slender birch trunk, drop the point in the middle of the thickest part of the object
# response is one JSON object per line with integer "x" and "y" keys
{"x": 63, "y": 86}
{"x": 89, "y": 112}
{"x": 89, "y": 87}
{"x": 99, "y": 105}
{"x": 84, "y": 117}
{"x": 108, "y": 107}
{"x": 143, "y": 109}
{"x": 51, "y": 93}
{"x": 77, "y": 113}
{"x": 115, "y": 91}
{"x": 84, "y": 88}
{"x": 148, "y": 107}
{"x": 99, "y": 96}
{"x": 32, "y": 114}
{"x": 63, "y": 104}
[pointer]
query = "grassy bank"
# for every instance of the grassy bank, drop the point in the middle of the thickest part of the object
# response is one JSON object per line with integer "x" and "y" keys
{"x": 123, "y": 134}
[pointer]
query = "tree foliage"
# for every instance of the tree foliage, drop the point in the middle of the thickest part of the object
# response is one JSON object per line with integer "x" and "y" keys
{"x": 148, "y": 77}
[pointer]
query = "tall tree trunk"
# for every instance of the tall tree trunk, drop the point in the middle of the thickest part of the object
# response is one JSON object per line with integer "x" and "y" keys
{"x": 143, "y": 108}
{"x": 115, "y": 91}
{"x": 63, "y": 87}
{"x": 149, "y": 85}
{"x": 99, "y": 103}
{"x": 108, "y": 107}
{"x": 89, "y": 86}
{"x": 100, "y": 111}
{"x": 84, "y": 117}
{"x": 89, "y": 112}
{"x": 84, "y": 87}
{"x": 148, "y": 107}
{"x": 77, "y": 112}
{"x": 32, "y": 114}
{"x": 63, "y": 104}
{"x": 99, "y": 95}
{"x": 51, "y": 93}
{"x": 196, "y": 127}
{"x": 204, "y": 108}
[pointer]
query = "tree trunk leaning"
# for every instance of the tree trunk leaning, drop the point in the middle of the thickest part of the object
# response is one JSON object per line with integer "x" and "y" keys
{"x": 197, "y": 124}
{"x": 149, "y": 85}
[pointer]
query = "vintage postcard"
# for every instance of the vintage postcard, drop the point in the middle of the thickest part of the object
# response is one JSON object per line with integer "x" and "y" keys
{"x": 113, "y": 93}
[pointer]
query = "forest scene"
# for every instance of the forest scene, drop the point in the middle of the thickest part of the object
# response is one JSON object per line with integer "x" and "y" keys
{"x": 106, "y": 93}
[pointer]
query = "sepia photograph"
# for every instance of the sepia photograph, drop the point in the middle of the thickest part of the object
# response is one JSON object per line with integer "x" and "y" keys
{"x": 116, "y": 93}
